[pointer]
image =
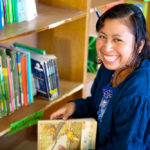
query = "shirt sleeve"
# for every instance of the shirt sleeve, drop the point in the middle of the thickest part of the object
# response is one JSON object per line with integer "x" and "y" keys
{"x": 84, "y": 107}
{"x": 131, "y": 128}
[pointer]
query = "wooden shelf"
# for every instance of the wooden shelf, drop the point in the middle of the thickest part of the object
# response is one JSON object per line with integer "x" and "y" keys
{"x": 48, "y": 17}
{"x": 67, "y": 88}
{"x": 100, "y": 3}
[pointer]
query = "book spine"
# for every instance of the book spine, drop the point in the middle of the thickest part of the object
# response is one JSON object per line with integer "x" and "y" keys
{"x": 3, "y": 105}
{"x": 30, "y": 49}
{"x": 7, "y": 11}
{"x": 1, "y": 15}
{"x": 29, "y": 76}
{"x": 10, "y": 84}
{"x": 20, "y": 10}
{"x": 20, "y": 79}
{"x": 4, "y": 7}
{"x": 10, "y": 11}
{"x": 31, "y": 11}
{"x": 24, "y": 79}
{"x": 6, "y": 82}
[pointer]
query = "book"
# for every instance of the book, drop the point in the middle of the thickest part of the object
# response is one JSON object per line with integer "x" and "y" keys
{"x": 30, "y": 49}
{"x": 19, "y": 78}
{"x": 4, "y": 8}
{"x": 2, "y": 91}
{"x": 7, "y": 11}
{"x": 23, "y": 59}
{"x": 10, "y": 11}
{"x": 1, "y": 15}
{"x": 73, "y": 134}
{"x": 31, "y": 11}
{"x": 29, "y": 72}
{"x": 19, "y": 10}
{"x": 12, "y": 54}
{"x": 6, "y": 80}
{"x": 10, "y": 85}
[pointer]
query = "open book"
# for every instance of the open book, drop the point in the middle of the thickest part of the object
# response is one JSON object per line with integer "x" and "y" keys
{"x": 73, "y": 134}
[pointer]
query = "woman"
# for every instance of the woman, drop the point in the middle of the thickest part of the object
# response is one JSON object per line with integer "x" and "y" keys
{"x": 120, "y": 95}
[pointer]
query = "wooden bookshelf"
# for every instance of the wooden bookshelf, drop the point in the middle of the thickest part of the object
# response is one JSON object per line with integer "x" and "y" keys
{"x": 48, "y": 17}
{"x": 67, "y": 88}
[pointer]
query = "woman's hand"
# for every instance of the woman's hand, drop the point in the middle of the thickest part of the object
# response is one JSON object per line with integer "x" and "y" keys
{"x": 61, "y": 147}
{"x": 65, "y": 112}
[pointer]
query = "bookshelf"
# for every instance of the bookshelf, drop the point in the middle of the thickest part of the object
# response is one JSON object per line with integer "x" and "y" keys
{"x": 62, "y": 29}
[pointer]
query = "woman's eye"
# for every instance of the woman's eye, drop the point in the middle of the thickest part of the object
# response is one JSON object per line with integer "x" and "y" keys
{"x": 102, "y": 37}
{"x": 118, "y": 40}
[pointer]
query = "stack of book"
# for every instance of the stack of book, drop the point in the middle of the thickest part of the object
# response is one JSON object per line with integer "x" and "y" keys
{"x": 44, "y": 71}
{"x": 16, "y": 11}
{"x": 24, "y": 74}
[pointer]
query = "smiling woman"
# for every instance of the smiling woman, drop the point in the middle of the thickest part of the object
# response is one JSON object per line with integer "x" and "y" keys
{"x": 117, "y": 101}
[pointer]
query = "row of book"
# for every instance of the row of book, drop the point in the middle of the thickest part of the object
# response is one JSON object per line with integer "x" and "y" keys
{"x": 24, "y": 74}
{"x": 16, "y": 11}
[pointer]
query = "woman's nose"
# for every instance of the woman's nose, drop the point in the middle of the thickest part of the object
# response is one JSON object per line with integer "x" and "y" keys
{"x": 108, "y": 46}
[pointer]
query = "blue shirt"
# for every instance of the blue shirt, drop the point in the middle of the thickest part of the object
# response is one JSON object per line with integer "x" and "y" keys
{"x": 126, "y": 121}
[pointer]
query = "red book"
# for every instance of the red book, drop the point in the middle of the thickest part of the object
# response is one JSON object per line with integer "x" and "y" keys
{"x": 24, "y": 79}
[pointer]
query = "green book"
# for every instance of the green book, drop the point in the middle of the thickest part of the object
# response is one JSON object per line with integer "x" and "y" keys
{"x": 12, "y": 55}
{"x": 2, "y": 91}
{"x": 5, "y": 75}
{"x": 10, "y": 11}
{"x": 29, "y": 48}
{"x": 7, "y": 11}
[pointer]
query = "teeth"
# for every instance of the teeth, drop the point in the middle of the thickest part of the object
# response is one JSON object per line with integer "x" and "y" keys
{"x": 110, "y": 58}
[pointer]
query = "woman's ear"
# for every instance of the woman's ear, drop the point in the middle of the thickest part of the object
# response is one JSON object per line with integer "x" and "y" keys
{"x": 141, "y": 46}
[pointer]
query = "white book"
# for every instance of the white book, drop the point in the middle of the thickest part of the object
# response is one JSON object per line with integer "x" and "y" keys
{"x": 31, "y": 10}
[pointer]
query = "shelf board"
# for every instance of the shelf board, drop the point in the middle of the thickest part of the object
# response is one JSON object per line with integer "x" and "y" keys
{"x": 99, "y": 3}
{"x": 67, "y": 88}
{"x": 48, "y": 17}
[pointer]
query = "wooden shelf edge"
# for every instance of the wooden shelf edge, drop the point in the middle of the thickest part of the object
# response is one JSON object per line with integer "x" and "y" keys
{"x": 67, "y": 87}
{"x": 46, "y": 19}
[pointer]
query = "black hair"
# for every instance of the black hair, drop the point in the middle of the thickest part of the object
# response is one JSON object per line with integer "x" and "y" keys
{"x": 135, "y": 20}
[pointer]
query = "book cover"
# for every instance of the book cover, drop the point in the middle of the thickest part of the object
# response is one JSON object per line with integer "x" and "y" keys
{"x": 29, "y": 72}
{"x": 30, "y": 49}
{"x": 6, "y": 80}
{"x": 3, "y": 103}
{"x": 12, "y": 54}
{"x": 23, "y": 59}
{"x": 4, "y": 7}
{"x": 7, "y": 11}
{"x": 19, "y": 10}
{"x": 1, "y": 15}
{"x": 19, "y": 78}
{"x": 40, "y": 77}
{"x": 10, "y": 11}
{"x": 10, "y": 85}
{"x": 31, "y": 11}
{"x": 73, "y": 134}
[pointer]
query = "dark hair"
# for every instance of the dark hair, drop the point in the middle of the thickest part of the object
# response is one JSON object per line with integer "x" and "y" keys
{"x": 137, "y": 24}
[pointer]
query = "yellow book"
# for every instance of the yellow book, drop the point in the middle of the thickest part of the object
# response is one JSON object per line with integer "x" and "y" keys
{"x": 73, "y": 134}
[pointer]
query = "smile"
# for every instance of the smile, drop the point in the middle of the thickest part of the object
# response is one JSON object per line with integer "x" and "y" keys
{"x": 110, "y": 58}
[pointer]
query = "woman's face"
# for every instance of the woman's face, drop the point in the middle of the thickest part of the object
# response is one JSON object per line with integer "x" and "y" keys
{"x": 115, "y": 44}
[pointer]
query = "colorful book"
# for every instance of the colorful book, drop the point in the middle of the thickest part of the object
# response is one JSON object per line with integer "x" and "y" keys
{"x": 10, "y": 11}
{"x": 3, "y": 103}
{"x": 4, "y": 7}
{"x": 12, "y": 54}
{"x": 30, "y": 49}
{"x": 72, "y": 134}
{"x": 40, "y": 77}
{"x": 7, "y": 11}
{"x": 19, "y": 10}
{"x": 6, "y": 80}
{"x": 1, "y": 15}
{"x": 29, "y": 73}
{"x": 23, "y": 59}
{"x": 10, "y": 85}
{"x": 18, "y": 55}
{"x": 31, "y": 11}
